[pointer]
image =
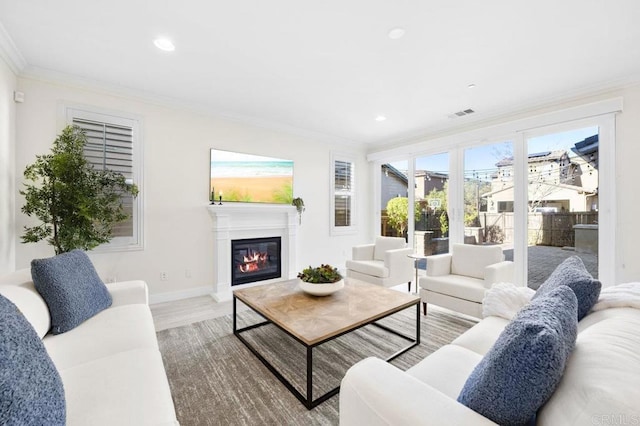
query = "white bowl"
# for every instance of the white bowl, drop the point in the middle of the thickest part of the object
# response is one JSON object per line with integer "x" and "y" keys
{"x": 320, "y": 289}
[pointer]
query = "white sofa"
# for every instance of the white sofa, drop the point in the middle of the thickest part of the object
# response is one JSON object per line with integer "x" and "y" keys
{"x": 459, "y": 280}
{"x": 110, "y": 365}
{"x": 599, "y": 385}
{"x": 385, "y": 262}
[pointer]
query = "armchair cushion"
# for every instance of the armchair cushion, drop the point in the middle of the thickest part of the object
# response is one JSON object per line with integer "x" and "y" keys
{"x": 471, "y": 289}
{"x": 384, "y": 244}
{"x": 470, "y": 260}
{"x": 375, "y": 268}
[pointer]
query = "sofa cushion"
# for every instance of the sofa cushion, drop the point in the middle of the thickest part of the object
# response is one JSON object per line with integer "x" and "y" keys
{"x": 481, "y": 336}
{"x": 602, "y": 374}
{"x": 31, "y": 304}
{"x": 127, "y": 388}
{"x": 119, "y": 329}
{"x": 31, "y": 391}
{"x": 524, "y": 366}
{"x": 384, "y": 244}
{"x": 466, "y": 288}
{"x": 574, "y": 275}
{"x": 71, "y": 287}
{"x": 470, "y": 260}
{"x": 446, "y": 369}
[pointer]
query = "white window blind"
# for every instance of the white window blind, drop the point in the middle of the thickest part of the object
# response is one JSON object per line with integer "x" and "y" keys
{"x": 110, "y": 147}
{"x": 343, "y": 194}
{"x": 113, "y": 143}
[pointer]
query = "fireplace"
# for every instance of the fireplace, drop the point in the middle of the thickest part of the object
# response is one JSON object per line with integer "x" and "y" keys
{"x": 237, "y": 221}
{"x": 255, "y": 259}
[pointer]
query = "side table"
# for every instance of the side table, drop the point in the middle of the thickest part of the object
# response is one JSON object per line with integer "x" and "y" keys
{"x": 416, "y": 257}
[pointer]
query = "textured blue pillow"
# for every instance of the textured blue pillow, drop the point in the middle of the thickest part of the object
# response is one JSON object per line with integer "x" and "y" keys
{"x": 525, "y": 364}
{"x": 31, "y": 391}
{"x": 574, "y": 275}
{"x": 71, "y": 287}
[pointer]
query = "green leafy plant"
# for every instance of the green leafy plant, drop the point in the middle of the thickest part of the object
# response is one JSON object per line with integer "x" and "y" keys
{"x": 320, "y": 275}
{"x": 299, "y": 203}
{"x": 398, "y": 213}
{"x": 76, "y": 204}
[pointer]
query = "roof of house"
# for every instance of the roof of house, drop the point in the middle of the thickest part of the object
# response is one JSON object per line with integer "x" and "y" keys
{"x": 556, "y": 155}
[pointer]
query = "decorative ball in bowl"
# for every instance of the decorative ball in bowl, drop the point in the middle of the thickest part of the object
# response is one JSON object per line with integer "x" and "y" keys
{"x": 320, "y": 281}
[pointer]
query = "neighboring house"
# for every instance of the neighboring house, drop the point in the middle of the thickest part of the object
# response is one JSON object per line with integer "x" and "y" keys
{"x": 556, "y": 183}
{"x": 393, "y": 184}
{"x": 427, "y": 181}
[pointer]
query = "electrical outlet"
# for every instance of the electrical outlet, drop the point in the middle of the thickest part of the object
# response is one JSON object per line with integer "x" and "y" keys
{"x": 187, "y": 273}
{"x": 164, "y": 276}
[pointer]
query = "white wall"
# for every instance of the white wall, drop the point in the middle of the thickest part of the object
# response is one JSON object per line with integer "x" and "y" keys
{"x": 8, "y": 84}
{"x": 627, "y": 178}
{"x": 178, "y": 229}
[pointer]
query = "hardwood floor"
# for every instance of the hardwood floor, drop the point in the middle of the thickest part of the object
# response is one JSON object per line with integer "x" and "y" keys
{"x": 187, "y": 311}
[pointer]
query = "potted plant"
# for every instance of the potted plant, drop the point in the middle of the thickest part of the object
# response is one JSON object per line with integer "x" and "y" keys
{"x": 320, "y": 281}
{"x": 299, "y": 203}
{"x": 77, "y": 205}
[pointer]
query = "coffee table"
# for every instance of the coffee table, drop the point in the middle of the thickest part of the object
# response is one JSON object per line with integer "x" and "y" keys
{"x": 313, "y": 320}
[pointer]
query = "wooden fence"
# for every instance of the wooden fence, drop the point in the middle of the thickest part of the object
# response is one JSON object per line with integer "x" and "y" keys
{"x": 544, "y": 229}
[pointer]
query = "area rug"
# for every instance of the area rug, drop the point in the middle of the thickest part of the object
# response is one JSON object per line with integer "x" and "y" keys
{"x": 216, "y": 380}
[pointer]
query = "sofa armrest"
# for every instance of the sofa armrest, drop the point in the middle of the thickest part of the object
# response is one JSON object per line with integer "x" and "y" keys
{"x": 439, "y": 264}
{"x": 501, "y": 272}
{"x": 374, "y": 392}
{"x": 129, "y": 292}
{"x": 362, "y": 252}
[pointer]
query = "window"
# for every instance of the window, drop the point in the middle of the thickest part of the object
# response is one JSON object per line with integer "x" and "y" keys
{"x": 113, "y": 142}
{"x": 343, "y": 195}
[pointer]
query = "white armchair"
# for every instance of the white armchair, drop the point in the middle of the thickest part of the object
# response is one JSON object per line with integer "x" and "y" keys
{"x": 385, "y": 263}
{"x": 458, "y": 280}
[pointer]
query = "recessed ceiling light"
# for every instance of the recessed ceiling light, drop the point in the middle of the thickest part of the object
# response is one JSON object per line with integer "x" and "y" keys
{"x": 164, "y": 44}
{"x": 381, "y": 118}
{"x": 471, "y": 86}
{"x": 396, "y": 33}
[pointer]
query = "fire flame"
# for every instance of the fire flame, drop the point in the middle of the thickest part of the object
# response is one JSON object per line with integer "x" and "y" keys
{"x": 253, "y": 261}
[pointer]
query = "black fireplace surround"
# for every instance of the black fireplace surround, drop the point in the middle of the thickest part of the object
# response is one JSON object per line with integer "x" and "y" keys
{"x": 255, "y": 259}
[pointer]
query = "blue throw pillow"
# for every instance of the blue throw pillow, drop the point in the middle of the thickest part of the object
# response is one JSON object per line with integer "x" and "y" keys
{"x": 31, "y": 391}
{"x": 71, "y": 287}
{"x": 574, "y": 275}
{"x": 524, "y": 366}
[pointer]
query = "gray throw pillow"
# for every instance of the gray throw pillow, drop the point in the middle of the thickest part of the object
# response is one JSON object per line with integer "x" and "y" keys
{"x": 524, "y": 366}
{"x": 71, "y": 287}
{"x": 31, "y": 391}
{"x": 574, "y": 275}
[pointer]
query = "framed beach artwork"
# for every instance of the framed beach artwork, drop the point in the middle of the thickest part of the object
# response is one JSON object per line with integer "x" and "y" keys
{"x": 250, "y": 178}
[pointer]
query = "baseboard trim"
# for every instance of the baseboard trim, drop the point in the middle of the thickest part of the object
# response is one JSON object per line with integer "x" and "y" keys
{"x": 172, "y": 296}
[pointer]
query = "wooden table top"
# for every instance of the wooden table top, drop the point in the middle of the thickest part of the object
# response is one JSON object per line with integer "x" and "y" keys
{"x": 314, "y": 319}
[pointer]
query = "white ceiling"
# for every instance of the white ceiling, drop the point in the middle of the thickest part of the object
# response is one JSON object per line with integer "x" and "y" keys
{"x": 328, "y": 67}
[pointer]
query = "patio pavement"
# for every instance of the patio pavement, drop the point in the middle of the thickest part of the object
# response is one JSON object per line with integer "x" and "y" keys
{"x": 543, "y": 260}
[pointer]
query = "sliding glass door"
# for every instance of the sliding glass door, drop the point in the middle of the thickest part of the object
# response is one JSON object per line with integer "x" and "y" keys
{"x": 431, "y": 194}
{"x": 562, "y": 201}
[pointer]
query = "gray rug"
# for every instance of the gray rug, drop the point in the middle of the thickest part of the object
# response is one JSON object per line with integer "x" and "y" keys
{"x": 216, "y": 380}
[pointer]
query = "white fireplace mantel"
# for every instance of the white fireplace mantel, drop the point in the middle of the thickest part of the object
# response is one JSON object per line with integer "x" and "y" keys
{"x": 232, "y": 221}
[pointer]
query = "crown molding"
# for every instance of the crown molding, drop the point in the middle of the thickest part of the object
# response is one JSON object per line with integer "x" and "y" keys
{"x": 56, "y": 77}
{"x": 10, "y": 53}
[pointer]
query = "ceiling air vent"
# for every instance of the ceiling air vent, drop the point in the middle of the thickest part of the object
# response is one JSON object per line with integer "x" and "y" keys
{"x": 462, "y": 113}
